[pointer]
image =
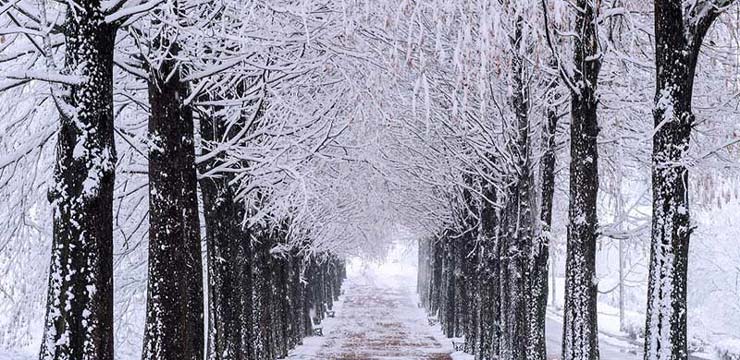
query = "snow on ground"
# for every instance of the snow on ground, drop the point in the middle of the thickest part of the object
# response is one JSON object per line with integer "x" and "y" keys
{"x": 13, "y": 355}
{"x": 613, "y": 343}
{"x": 378, "y": 318}
{"x": 610, "y": 347}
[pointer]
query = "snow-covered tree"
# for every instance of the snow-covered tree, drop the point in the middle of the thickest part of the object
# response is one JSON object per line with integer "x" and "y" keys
{"x": 680, "y": 28}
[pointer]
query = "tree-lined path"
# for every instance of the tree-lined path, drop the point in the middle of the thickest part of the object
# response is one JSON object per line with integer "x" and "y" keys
{"x": 377, "y": 319}
{"x": 188, "y": 179}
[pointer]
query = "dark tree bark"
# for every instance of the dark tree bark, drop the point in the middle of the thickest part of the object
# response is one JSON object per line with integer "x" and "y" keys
{"x": 229, "y": 259}
{"x": 472, "y": 295}
{"x": 341, "y": 275}
{"x": 679, "y": 33}
{"x": 541, "y": 249}
{"x": 306, "y": 297}
{"x": 287, "y": 303}
{"x": 174, "y": 321}
{"x": 465, "y": 269}
{"x": 461, "y": 287}
{"x": 299, "y": 298}
{"x": 327, "y": 283}
{"x": 79, "y": 310}
{"x": 489, "y": 275}
{"x": 436, "y": 277}
{"x": 448, "y": 317}
{"x": 518, "y": 225}
{"x": 280, "y": 302}
{"x": 580, "y": 334}
{"x": 319, "y": 291}
{"x": 263, "y": 336}
{"x": 309, "y": 290}
{"x": 514, "y": 299}
{"x": 281, "y": 298}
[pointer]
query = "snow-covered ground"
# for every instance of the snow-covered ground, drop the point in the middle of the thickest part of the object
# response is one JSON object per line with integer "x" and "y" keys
{"x": 613, "y": 343}
{"x": 610, "y": 347}
{"x": 377, "y": 318}
{"x": 14, "y": 355}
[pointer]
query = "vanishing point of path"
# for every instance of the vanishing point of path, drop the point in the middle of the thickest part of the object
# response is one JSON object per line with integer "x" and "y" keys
{"x": 378, "y": 319}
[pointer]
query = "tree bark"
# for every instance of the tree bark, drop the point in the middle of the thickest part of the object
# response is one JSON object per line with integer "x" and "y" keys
{"x": 436, "y": 277}
{"x": 280, "y": 306}
{"x": 299, "y": 298}
{"x": 541, "y": 249}
{"x": 518, "y": 218}
{"x": 229, "y": 259}
{"x": 449, "y": 302}
{"x": 489, "y": 275}
{"x": 580, "y": 334}
{"x": 466, "y": 269}
{"x": 79, "y": 310}
{"x": 174, "y": 321}
{"x": 263, "y": 336}
{"x": 678, "y": 38}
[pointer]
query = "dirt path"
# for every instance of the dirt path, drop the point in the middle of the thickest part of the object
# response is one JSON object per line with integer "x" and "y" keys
{"x": 377, "y": 320}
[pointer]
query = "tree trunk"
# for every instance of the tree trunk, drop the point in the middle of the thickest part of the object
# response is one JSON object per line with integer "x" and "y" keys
{"x": 435, "y": 300}
{"x": 79, "y": 310}
{"x": 472, "y": 295}
{"x": 308, "y": 297}
{"x": 263, "y": 339}
{"x": 489, "y": 276}
{"x": 229, "y": 259}
{"x": 519, "y": 221}
{"x": 174, "y": 321}
{"x": 449, "y": 315}
{"x": 287, "y": 306}
{"x": 580, "y": 334}
{"x": 541, "y": 249}
{"x": 299, "y": 299}
{"x": 678, "y": 38}
{"x": 466, "y": 269}
{"x": 462, "y": 301}
{"x": 280, "y": 305}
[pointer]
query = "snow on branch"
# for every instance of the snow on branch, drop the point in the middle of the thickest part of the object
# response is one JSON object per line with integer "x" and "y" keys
{"x": 41, "y": 138}
{"x": 701, "y": 14}
{"x": 127, "y": 12}
{"x": 11, "y": 30}
{"x": 55, "y": 78}
{"x": 562, "y": 71}
{"x": 5, "y": 7}
{"x": 214, "y": 70}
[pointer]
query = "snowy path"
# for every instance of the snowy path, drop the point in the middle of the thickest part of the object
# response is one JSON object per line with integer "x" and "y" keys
{"x": 378, "y": 319}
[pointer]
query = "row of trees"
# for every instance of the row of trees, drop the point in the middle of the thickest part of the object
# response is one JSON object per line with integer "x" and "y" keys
{"x": 325, "y": 127}
{"x": 486, "y": 275}
{"x": 268, "y": 282}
